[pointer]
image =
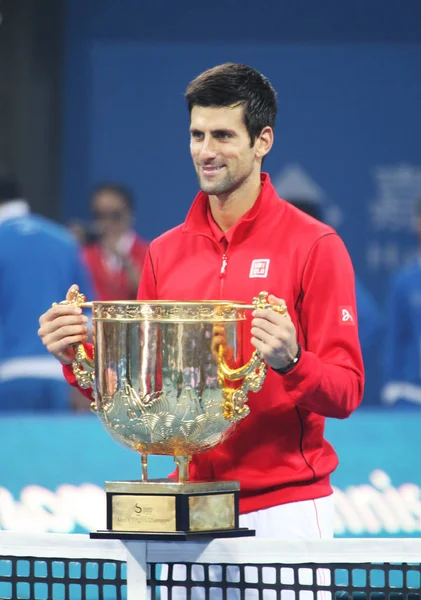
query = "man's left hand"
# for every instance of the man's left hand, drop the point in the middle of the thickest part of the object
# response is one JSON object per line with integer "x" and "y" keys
{"x": 274, "y": 335}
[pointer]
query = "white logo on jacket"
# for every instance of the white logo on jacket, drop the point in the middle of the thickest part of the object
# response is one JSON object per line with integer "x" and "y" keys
{"x": 259, "y": 267}
{"x": 346, "y": 315}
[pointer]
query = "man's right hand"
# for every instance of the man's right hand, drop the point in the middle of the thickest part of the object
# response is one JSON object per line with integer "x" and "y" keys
{"x": 62, "y": 326}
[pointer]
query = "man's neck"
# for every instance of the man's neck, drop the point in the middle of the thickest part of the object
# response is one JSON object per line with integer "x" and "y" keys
{"x": 227, "y": 209}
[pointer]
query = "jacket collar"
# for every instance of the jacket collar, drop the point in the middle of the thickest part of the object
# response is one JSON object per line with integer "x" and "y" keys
{"x": 197, "y": 220}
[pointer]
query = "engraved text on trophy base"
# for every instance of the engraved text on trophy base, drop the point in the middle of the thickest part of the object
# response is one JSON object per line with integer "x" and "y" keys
{"x": 143, "y": 513}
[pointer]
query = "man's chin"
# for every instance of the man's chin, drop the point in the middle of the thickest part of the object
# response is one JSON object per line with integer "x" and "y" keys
{"x": 212, "y": 188}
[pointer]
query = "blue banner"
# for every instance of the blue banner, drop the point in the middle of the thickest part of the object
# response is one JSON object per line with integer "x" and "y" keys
{"x": 347, "y": 138}
{"x": 53, "y": 471}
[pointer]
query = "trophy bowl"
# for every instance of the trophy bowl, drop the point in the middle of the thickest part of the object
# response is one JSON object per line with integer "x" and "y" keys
{"x": 168, "y": 378}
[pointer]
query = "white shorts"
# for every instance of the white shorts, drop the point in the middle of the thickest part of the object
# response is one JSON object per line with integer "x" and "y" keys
{"x": 308, "y": 519}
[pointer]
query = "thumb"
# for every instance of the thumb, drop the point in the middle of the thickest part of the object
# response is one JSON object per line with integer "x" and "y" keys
{"x": 71, "y": 292}
{"x": 274, "y": 300}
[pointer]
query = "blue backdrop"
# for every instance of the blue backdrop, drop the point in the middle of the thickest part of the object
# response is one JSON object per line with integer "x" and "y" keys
{"x": 348, "y": 130}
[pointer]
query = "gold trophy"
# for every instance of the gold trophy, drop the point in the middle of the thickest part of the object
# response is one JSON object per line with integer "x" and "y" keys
{"x": 169, "y": 378}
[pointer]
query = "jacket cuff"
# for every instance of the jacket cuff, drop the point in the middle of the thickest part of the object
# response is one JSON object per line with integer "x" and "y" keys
{"x": 304, "y": 378}
{"x": 69, "y": 375}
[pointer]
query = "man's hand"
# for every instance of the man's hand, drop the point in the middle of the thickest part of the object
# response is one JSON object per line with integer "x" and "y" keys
{"x": 62, "y": 326}
{"x": 274, "y": 335}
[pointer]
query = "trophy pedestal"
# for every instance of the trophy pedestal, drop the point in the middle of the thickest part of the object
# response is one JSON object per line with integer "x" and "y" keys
{"x": 167, "y": 510}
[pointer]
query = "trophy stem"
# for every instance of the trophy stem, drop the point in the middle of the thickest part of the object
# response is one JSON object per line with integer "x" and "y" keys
{"x": 183, "y": 467}
{"x": 144, "y": 467}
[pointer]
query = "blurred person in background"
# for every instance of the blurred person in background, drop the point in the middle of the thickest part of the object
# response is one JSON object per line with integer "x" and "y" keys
{"x": 369, "y": 321}
{"x": 38, "y": 261}
{"x": 402, "y": 349}
{"x": 115, "y": 259}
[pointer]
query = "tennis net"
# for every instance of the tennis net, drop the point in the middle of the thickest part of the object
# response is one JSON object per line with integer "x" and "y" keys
{"x": 74, "y": 567}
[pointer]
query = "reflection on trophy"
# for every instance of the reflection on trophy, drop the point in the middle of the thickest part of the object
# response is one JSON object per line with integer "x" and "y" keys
{"x": 170, "y": 378}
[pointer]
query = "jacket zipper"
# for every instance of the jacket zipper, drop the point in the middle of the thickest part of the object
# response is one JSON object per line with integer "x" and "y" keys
{"x": 222, "y": 275}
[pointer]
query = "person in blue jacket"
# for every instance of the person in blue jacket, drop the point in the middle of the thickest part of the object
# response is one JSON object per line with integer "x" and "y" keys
{"x": 402, "y": 348}
{"x": 39, "y": 260}
{"x": 369, "y": 320}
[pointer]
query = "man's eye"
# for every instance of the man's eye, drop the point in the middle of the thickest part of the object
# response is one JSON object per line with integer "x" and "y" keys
{"x": 197, "y": 135}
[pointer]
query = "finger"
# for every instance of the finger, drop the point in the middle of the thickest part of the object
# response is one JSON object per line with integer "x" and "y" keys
{"x": 279, "y": 305}
{"x": 62, "y": 345}
{"x": 51, "y": 327}
{"x": 273, "y": 328}
{"x": 65, "y": 341}
{"x": 267, "y": 338}
{"x": 64, "y": 332}
{"x": 59, "y": 310}
{"x": 270, "y": 315}
{"x": 72, "y": 289}
{"x": 274, "y": 300}
{"x": 65, "y": 321}
{"x": 260, "y": 346}
{"x": 61, "y": 340}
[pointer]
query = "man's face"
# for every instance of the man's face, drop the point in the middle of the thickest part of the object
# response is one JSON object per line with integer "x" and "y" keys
{"x": 220, "y": 148}
{"x": 111, "y": 214}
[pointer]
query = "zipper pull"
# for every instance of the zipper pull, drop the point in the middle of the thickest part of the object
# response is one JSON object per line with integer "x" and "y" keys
{"x": 224, "y": 264}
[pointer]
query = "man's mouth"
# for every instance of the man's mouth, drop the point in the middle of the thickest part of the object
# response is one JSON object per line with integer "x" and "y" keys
{"x": 209, "y": 169}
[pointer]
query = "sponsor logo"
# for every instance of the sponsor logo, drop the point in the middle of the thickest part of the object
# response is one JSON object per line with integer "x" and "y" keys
{"x": 346, "y": 315}
{"x": 259, "y": 268}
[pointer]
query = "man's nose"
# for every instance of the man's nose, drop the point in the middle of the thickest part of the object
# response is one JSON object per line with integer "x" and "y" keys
{"x": 208, "y": 148}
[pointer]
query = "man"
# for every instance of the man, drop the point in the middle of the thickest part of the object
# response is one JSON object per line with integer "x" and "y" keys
{"x": 240, "y": 238}
{"x": 38, "y": 262}
{"x": 115, "y": 259}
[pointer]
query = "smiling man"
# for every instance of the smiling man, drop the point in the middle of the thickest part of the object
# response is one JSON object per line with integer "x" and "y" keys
{"x": 238, "y": 239}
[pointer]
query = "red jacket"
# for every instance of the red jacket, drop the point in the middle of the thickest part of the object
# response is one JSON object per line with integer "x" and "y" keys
{"x": 278, "y": 453}
{"x": 113, "y": 284}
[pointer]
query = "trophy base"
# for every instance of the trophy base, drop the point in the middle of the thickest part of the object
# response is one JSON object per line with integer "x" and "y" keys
{"x": 192, "y": 536}
{"x": 168, "y": 509}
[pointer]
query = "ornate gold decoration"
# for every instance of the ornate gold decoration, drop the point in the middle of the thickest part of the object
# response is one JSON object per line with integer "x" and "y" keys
{"x": 261, "y": 301}
{"x": 168, "y": 311}
{"x": 162, "y": 375}
{"x": 76, "y": 298}
{"x": 83, "y": 368}
{"x": 152, "y": 424}
{"x": 253, "y": 375}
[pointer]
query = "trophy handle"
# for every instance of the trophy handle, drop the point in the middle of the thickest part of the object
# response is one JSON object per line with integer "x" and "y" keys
{"x": 255, "y": 363}
{"x": 82, "y": 365}
{"x": 235, "y": 399}
{"x": 253, "y": 372}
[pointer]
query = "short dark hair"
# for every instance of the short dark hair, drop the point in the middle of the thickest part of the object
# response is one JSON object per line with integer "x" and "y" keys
{"x": 233, "y": 84}
{"x": 9, "y": 188}
{"x": 119, "y": 190}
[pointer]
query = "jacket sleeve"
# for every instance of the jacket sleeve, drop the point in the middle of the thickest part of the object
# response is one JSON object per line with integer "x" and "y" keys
{"x": 329, "y": 378}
